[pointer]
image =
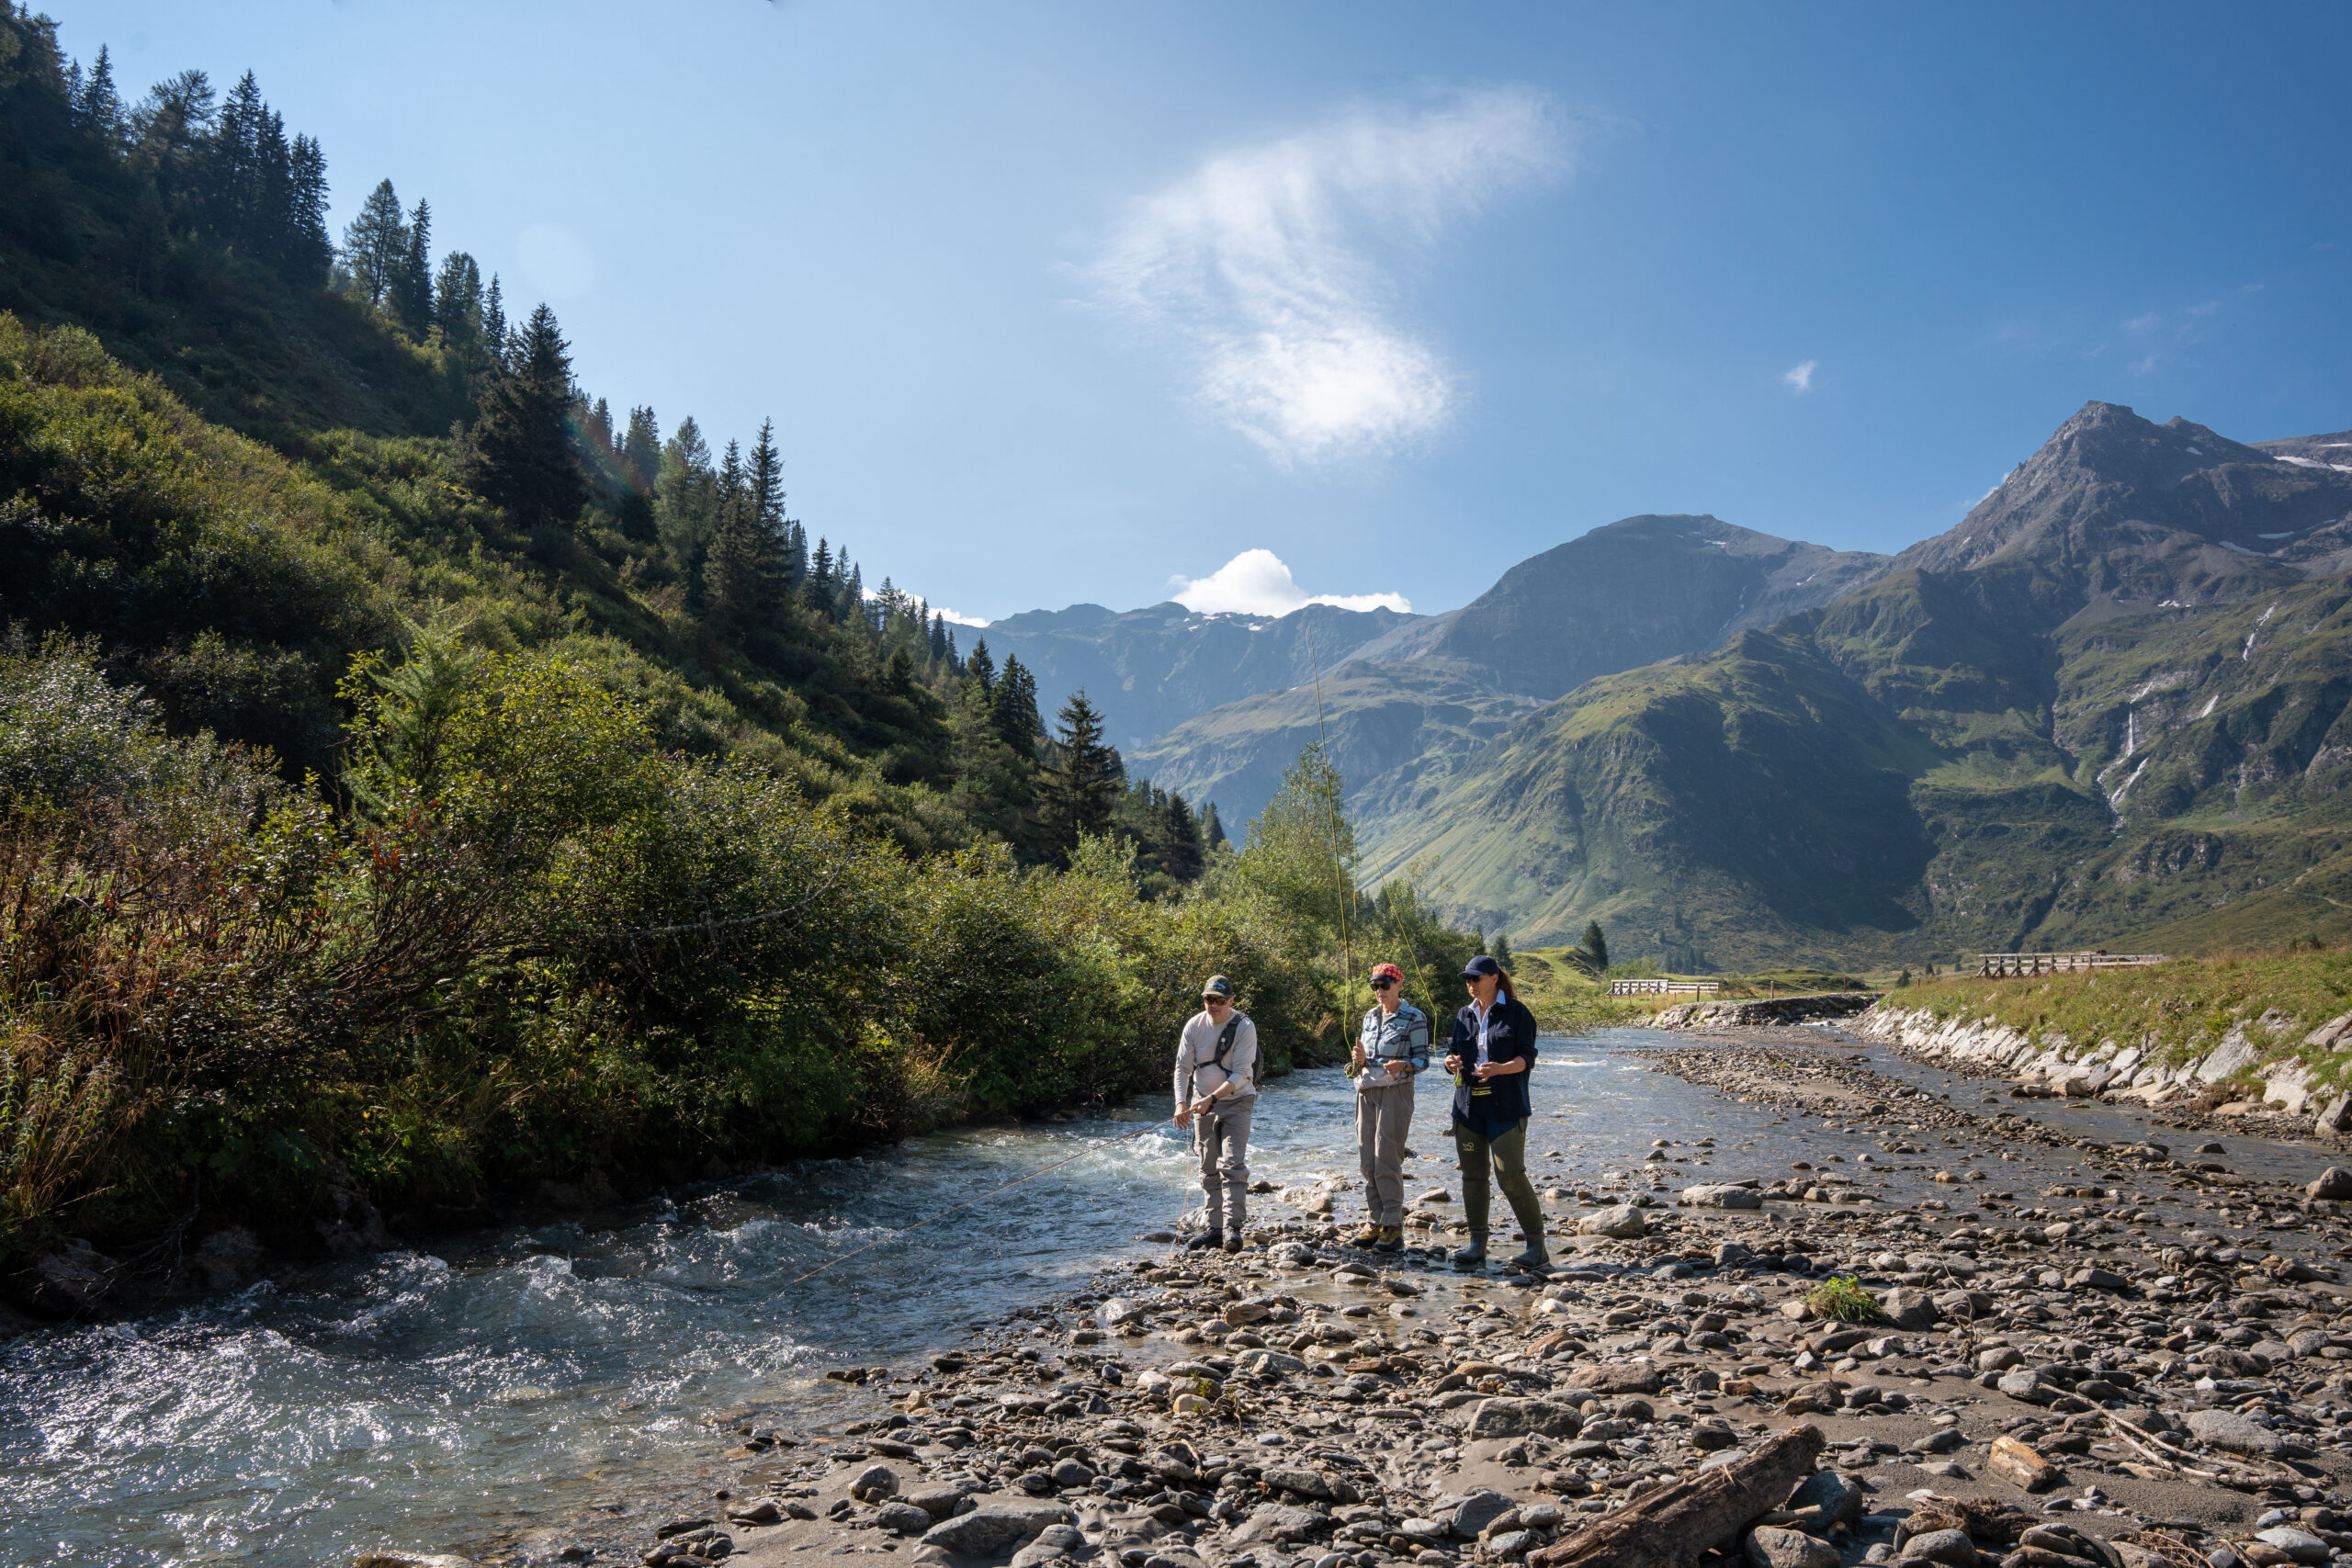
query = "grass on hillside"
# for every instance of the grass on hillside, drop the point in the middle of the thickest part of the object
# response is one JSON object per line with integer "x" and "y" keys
{"x": 2179, "y": 1009}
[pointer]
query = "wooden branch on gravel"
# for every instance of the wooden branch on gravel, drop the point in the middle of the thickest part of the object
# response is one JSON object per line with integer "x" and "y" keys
{"x": 1674, "y": 1526}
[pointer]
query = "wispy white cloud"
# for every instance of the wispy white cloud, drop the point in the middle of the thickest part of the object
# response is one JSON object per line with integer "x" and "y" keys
{"x": 1257, "y": 582}
{"x": 1266, "y": 264}
{"x": 1799, "y": 378}
{"x": 957, "y": 619}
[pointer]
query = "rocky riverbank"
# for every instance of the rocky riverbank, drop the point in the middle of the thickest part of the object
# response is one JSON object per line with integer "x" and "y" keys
{"x": 2141, "y": 1357}
{"x": 2253, "y": 1078}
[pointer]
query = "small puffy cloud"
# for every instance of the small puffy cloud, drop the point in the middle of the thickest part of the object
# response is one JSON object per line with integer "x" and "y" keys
{"x": 1257, "y": 582}
{"x": 957, "y": 619}
{"x": 1799, "y": 378}
{"x": 1268, "y": 267}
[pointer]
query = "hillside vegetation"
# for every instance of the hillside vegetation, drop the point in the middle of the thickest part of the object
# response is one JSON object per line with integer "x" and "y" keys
{"x": 393, "y": 821}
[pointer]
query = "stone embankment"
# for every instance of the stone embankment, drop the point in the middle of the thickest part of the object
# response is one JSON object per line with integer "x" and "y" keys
{"x": 2147, "y": 1363}
{"x": 2253, "y": 1071}
{"x": 1765, "y": 1010}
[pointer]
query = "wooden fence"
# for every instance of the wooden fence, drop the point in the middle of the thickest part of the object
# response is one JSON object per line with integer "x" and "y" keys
{"x": 1998, "y": 965}
{"x": 1664, "y": 987}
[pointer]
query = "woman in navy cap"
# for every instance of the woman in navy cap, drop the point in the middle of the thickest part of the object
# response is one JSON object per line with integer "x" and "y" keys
{"x": 1493, "y": 1047}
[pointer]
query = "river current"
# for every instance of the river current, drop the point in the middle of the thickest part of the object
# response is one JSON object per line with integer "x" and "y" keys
{"x": 501, "y": 1387}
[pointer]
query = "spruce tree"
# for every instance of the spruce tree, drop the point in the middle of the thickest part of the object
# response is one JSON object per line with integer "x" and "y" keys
{"x": 376, "y": 244}
{"x": 743, "y": 573}
{"x": 1080, "y": 792}
{"x": 1014, "y": 703}
{"x": 412, "y": 301}
{"x": 1212, "y": 830}
{"x": 980, "y": 668}
{"x": 98, "y": 106}
{"x": 310, "y": 254}
{"x": 1595, "y": 947}
{"x": 642, "y": 448}
{"x": 685, "y": 506}
{"x": 1179, "y": 839}
{"x": 457, "y": 302}
{"x": 939, "y": 648}
{"x": 493, "y": 323}
{"x": 518, "y": 456}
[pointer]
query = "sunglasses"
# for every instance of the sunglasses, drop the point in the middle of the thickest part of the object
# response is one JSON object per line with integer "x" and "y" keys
{"x": 1384, "y": 985}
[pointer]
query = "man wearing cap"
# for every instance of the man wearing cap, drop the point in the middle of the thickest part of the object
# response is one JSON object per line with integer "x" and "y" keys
{"x": 1216, "y": 1088}
{"x": 1392, "y": 1045}
{"x": 1492, "y": 1049}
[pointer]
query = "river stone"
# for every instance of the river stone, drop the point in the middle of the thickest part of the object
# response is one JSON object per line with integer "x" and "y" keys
{"x": 1621, "y": 1220}
{"x": 1512, "y": 1543}
{"x": 1951, "y": 1546}
{"x": 1769, "y": 1547}
{"x": 1249, "y": 1309}
{"x": 2025, "y": 1383}
{"x": 2334, "y": 1182}
{"x": 937, "y": 1501}
{"x": 1721, "y": 1195}
{"x": 1523, "y": 1417}
{"x": 1291, "y": 1255}
{"x": 1271, "y": 1361}
{"x": 1272, "y": 1523}
{"x": 1118, "y": 1310}
{"x": 1999, "y": 1358}
{"x": 1838, "y": 1498}
{"x": 1909, "y": 1308}
{"x": 907, "y": 1518}
{"x": 1625, "y": 1377}
{"x": 1054, "y": 1541}
{"x": 874, "y": 1482}
{"x": 1305, "y": 1483}
{"x": 2300, "y": 1545}
{"x": 983, "y": 1532}
{"x": 1476, "y": 1511}
{"x": 2228, "y": 1430}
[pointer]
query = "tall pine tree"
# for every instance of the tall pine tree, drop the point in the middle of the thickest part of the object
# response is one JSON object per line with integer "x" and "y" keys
{"x": 1014, "y": 703}
{"x": 375, "y": 245}
{"x": 1079, "y": 793}
{"x": 412, "y": 291}
{"x": 518, "y": 453}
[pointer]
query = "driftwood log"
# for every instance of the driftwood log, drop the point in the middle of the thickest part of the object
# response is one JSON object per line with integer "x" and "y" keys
{"x": 1674, "y": 1526}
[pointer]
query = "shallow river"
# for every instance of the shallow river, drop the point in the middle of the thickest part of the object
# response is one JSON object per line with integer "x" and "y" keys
{"x": 498, "y": 1387}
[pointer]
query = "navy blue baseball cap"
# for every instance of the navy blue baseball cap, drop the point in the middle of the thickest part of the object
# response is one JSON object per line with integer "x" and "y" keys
{"x": 1217, "y": 985}
{"x": 1480, "y": 968}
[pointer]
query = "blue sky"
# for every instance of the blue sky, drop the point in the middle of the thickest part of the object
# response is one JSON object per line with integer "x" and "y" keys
{"x": 1080, "y": 302}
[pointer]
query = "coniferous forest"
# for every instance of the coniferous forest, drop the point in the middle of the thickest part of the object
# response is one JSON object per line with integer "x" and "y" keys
{"x": 423, "y": 782}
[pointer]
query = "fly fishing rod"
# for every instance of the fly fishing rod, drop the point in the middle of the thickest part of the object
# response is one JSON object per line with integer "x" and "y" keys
{"x": 1146, "y": 1127}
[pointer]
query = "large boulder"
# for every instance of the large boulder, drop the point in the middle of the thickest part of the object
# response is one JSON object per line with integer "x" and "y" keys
{"x": 1621, "y": 1220}
{"x": 983, "y": 1532}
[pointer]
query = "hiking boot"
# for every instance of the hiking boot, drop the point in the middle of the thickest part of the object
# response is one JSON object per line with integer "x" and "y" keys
{"x": 1534, "y": 1258}
{"x": 1203, "y": 1242}
{"x": 1473, "y": 1255}
{"x": 1367, "y": 1235}
{"x": 1233, "y": 1244}
{"x": 1391, "y": 1239}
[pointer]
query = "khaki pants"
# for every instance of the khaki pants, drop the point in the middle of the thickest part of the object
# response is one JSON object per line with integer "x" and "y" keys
{"x": 1221, "y": 1137}
{"x": 1383, "y": 1115}
{"x": 1507, "y": 1152}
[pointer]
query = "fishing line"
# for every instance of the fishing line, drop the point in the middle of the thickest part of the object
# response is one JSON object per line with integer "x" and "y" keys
{"x": 1146, "y": 1127}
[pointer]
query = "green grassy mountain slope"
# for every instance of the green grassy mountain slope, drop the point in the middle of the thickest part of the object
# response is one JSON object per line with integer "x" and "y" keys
{"x": 1382, "y": 725}
{"x": 1628, "y": 593}
{"x": 1624, "y": 594}
{"x": 2110, "y": 703}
